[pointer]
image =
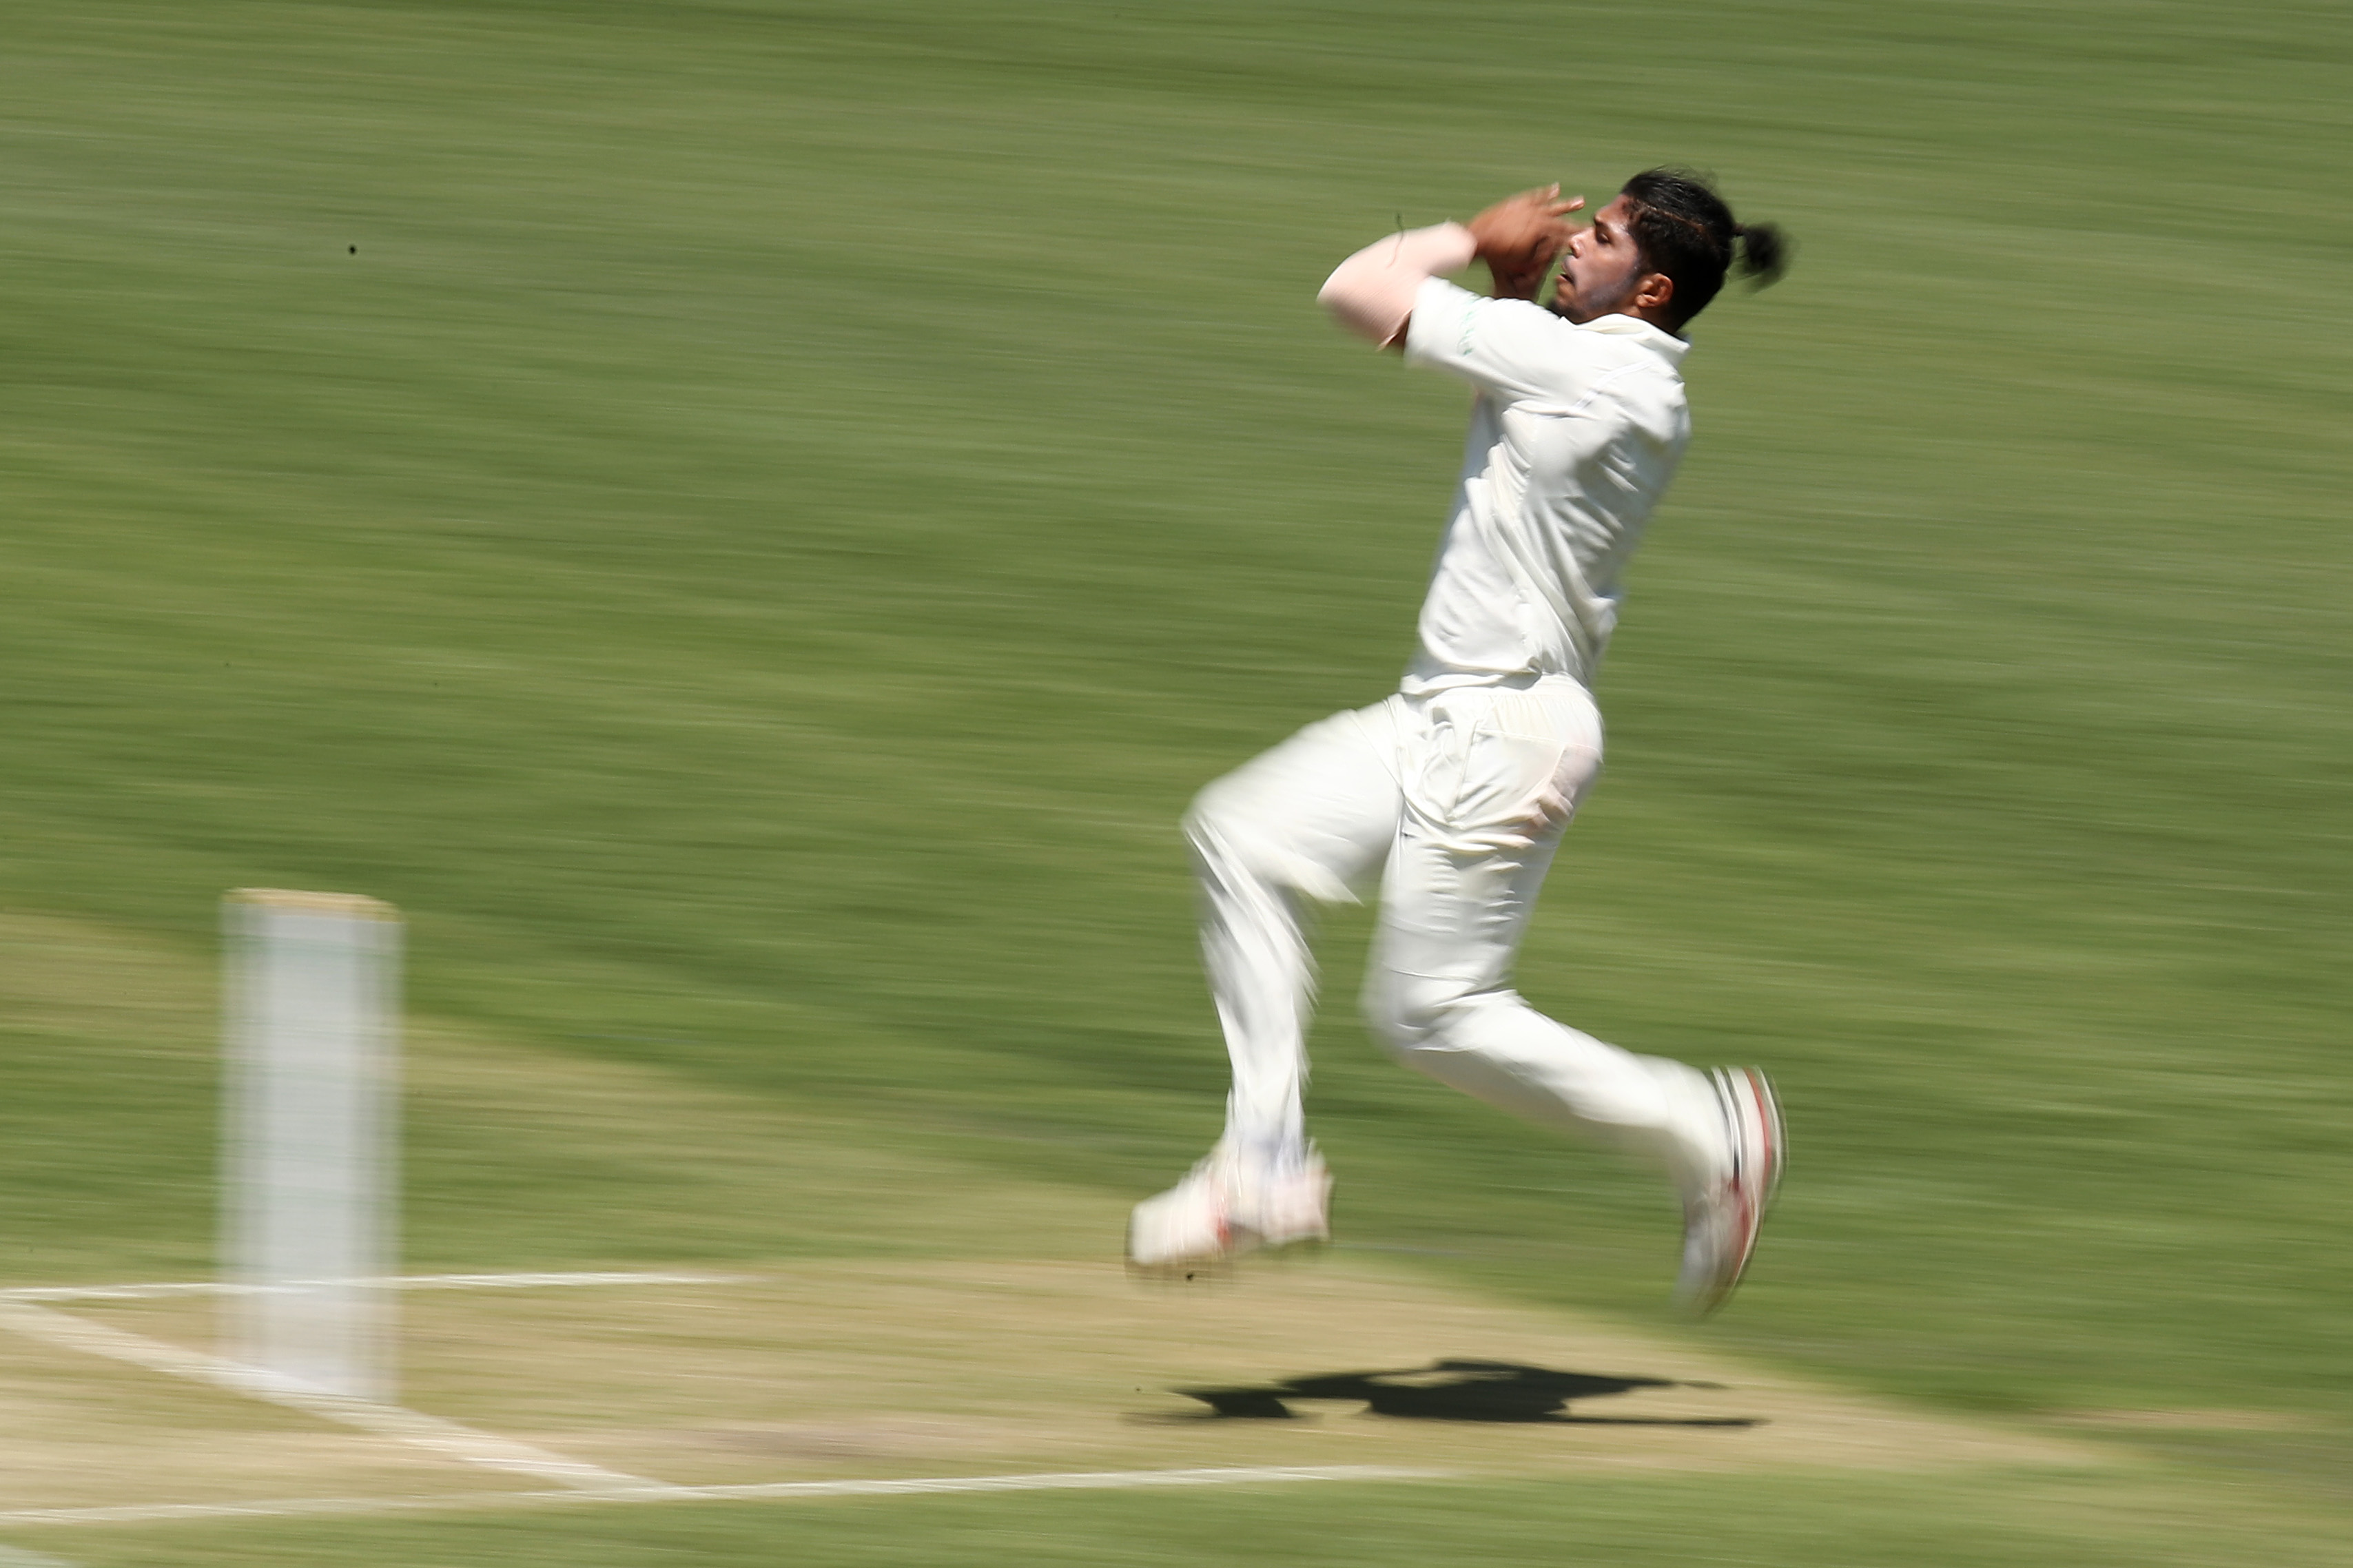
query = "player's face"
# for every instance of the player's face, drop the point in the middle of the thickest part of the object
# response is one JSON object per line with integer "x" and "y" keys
{"x": 1602, "y": 269}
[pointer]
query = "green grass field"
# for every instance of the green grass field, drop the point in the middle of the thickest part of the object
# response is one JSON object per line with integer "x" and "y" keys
{"x": 750, "y": 521}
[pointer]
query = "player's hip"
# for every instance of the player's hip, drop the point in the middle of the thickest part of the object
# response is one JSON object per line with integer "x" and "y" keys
{"x": 1510, "y": 758}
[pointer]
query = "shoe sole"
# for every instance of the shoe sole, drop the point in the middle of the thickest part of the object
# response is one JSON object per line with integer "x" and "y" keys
{"x": 1774, "y": 1135}
{"x": 1759, "y": 1131}
{"x": 1761, "y": 1103}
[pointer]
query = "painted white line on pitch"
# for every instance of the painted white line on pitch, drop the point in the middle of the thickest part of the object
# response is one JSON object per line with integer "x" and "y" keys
{"x": 388, "y": 1282}
{"x": 446, "y": 1438}
{"x": 542, "y": 1281}
{"x": 1073, "y": 1479}
{"x": 1079, "y": 1480}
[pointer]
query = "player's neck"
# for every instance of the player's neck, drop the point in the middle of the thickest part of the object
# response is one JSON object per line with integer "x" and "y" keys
{"x": 1644, "y": 315}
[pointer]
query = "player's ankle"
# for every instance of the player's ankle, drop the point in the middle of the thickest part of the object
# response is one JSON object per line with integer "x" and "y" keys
{"x": 1259, "y": 1160}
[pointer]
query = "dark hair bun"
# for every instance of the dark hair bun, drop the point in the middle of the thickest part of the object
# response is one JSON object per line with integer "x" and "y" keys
{"x": 1763, "y": 252}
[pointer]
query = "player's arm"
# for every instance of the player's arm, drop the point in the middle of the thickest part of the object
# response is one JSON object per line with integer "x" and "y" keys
{"x": 1372, "y": 292}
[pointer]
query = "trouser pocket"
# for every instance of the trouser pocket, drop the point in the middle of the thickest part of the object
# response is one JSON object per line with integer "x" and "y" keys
{"x": 1501, "y": 764}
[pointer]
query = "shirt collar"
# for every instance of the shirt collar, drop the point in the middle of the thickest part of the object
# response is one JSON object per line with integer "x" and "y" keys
{"x": 1665, "y": 344}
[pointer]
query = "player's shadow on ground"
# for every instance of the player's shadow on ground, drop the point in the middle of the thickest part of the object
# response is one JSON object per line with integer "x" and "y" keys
{"x": 1452, "y": 1390}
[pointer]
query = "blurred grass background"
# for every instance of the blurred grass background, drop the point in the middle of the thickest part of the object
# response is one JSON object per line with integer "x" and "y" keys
{"x": 784, "y": 503}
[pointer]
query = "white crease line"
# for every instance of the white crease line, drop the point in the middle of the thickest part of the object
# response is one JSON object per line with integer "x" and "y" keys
{"x": 151, "y": 1513}
{"x": 413, "y": 1428}
{"x": 388, "y": 1282}
{"x": 537, "y": 1281}
{"x": 1072, "y": 1479}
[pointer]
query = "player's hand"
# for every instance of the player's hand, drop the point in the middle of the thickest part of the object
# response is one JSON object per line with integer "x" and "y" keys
{"x": 1544, "y": 815}
{"x": 1520, "y": 237}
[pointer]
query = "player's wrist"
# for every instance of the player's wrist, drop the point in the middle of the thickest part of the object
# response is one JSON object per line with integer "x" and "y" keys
{"x": 1444, "y": 248}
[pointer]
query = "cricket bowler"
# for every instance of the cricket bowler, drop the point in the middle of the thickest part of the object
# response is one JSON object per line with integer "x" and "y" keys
{"x": 1456, "y": 789}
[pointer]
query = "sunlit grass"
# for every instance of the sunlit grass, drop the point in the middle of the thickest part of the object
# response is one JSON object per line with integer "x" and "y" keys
{"x": 784, "y": 503}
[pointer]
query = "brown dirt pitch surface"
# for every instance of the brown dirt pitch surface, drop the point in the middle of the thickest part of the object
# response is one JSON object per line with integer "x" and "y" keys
{"x": 832, "y": 1371}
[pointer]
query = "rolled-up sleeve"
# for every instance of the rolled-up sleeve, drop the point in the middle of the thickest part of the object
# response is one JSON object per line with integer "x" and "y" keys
{"x": 1372, "y": 290}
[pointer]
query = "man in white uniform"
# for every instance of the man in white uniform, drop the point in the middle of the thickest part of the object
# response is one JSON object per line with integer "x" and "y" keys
{"x": 1458, "y": 787}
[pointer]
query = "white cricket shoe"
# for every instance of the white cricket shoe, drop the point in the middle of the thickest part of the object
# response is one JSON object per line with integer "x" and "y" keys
{"x": 1720, "y": 1224}
{"x": 1223, "y": 1209}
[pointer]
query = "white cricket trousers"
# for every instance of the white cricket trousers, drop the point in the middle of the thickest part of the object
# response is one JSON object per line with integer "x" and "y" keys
{"x": 1460, "y": 797}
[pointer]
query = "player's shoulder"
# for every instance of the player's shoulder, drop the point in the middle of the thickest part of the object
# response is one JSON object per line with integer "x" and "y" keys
{"x": 1624, "y": 340}
{"x": 1634, "y": 356}
{"x": 1443, "y": 294}
{"x": 1530, "y": 353}
{"x": 1608, "y": 344}
{"x": 1629, "y": 372}
{"x": 1599, "y": 372}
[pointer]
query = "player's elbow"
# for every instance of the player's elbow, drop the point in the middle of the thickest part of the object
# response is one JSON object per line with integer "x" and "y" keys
{"x": 1373, "y": 306}
{"x": 1341, "y": 295}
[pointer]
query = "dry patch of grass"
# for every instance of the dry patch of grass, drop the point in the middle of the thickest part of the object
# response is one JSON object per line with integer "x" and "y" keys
{"x": 2187, "y": 1420}
{"x": 829, "y": 1370}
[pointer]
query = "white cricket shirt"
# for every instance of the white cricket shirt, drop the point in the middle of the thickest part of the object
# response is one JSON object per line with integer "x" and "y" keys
{"x": 1576, "y": 430}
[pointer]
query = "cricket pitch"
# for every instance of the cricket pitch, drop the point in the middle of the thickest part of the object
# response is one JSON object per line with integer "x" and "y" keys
{"x": 832, "y": 1371}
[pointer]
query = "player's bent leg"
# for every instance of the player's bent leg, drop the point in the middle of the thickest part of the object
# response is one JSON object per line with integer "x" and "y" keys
{"x": 1483, "y": 1037}
{"x": 1261, "y": 976}
{"x": 1300, "y": 823}
{"x": 1496, "y": 776}
{"x": 1719, "y": 1135}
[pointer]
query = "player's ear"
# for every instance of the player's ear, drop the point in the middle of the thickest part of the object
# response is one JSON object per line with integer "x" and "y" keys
{"x": 1655, "y": 290}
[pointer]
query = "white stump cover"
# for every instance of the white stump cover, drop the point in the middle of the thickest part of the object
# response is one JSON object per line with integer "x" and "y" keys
{"x": 309, "y": 1155}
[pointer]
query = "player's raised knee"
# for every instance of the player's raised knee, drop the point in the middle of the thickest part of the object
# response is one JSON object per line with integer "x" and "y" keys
{"x": 1220, "y": 812}
{"x": 1412, "y": 1013}
{"x": 1233, "y": 834}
